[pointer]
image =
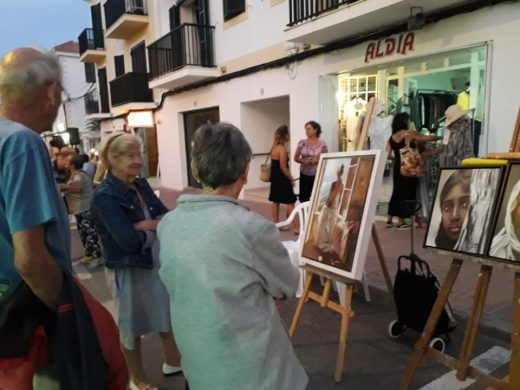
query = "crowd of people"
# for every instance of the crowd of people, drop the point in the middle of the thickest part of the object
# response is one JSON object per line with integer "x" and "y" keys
{"x": 213, "y": 305}
{"x": 219, "y": 300}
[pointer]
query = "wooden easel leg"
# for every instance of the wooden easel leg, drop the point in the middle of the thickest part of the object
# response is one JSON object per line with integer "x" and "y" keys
{"x": 470, "y": 334}
{"x": 343, "y": 332}
{"x": 326, "y": 292}
{"x": 422, "y": 345}
{"x": 384, "y": 268}
{"x": 301, "y": 302}
{"x": 514, "y": 365}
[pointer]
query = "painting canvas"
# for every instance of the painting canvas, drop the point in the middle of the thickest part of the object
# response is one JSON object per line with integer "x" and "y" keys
{"x": 505, "y": 243}
{"x": 463, "y": 209}
{"x": 343, "y": 203}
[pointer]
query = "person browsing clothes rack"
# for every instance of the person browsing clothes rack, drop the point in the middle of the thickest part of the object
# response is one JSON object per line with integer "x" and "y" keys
{"x": 404, "y": 187}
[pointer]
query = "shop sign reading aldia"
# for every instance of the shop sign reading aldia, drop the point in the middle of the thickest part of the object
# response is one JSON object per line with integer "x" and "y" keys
{"x": 400, "y": 44}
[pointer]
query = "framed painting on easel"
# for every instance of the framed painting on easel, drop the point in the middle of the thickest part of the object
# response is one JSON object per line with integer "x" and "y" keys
{"x": 515, "y": 141}
{"x": 342, "y": 212}
{"x": 463, "y": 210}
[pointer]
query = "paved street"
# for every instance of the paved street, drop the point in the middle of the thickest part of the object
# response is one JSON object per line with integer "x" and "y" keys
{"x": 373, "y": 359}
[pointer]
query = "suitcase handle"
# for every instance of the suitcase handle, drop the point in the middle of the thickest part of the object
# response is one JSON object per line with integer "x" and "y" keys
{"x": 415, "y": 263}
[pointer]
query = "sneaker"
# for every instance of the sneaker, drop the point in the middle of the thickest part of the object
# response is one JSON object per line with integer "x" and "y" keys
{"x": 85, "y": 260}
{"x": 404, "y": 226}
{"x": 94, "y": 263}
{"x": 168, "y": 370}
{"x": 389, "y": 225}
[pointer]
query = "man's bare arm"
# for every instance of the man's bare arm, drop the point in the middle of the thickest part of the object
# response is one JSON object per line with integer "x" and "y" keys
{"x": 36, "y": 265}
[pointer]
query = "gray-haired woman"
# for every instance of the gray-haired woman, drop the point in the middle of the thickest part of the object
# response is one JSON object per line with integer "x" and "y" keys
{"x": 126, "y": 212}
{"x": 223, "y": 266}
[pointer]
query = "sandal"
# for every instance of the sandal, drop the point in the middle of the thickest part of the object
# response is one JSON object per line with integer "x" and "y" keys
{"x": 389, "y": 225}
{"x": 404, "y": 226}
{"x": 135, "y": 386}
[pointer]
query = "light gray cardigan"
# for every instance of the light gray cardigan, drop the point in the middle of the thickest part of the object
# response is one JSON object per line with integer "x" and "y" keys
{"x": 222, "y": 266}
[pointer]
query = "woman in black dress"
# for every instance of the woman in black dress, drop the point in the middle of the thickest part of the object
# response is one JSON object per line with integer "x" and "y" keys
{"x": 281, "y": 179}
{"x": 405, "y": 187}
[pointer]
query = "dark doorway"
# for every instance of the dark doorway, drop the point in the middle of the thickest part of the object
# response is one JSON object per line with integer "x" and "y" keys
{"x": 192, "y": 121}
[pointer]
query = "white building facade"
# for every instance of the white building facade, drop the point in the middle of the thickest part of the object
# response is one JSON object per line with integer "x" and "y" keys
{"x": 259, "y": 64}
{"x": 72, "y": 111}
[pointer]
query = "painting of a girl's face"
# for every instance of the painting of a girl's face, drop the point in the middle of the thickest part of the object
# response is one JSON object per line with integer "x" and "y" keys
{"x": 464, "y": 209}
{"x": 454, "y": 209}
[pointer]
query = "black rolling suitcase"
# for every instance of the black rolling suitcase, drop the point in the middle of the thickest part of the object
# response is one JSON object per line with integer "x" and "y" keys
{"x": 415, "y": 290}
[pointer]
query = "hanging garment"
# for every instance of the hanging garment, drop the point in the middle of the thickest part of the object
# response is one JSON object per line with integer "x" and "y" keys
{"x": 379, "y": 131}
{"x": 351, "y": 114}
{"x": 463, "y": 100}
{"x": 459, "y": 144}
{"x": 416, "y": 103}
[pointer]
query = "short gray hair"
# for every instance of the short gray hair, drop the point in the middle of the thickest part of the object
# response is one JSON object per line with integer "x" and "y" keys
{"x": 20, "y": 81}
{"x": 220, "y": 154}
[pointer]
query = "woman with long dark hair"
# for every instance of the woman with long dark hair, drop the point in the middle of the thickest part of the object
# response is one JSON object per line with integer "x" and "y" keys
{"x": 405, "y": 187}
{"x": 281, "y": 179}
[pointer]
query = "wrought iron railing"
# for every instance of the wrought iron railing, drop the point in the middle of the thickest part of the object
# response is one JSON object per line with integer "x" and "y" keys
{"x": 130, "y": 88}
{"x": 91, "y": 39}
{"x": 188, "y": 44}
{"x": 302, "y": 10}
{"x": 91, "y": 103}
{"x": 114, "y": 9}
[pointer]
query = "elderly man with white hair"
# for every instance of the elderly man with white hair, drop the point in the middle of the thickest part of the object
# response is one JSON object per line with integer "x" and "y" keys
{"x": 34, "y": 227}
{"x": 34, "y": 230}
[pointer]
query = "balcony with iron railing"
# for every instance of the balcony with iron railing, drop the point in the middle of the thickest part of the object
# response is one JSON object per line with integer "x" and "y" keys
{"x": 324, "y": 21}
{"x": 183, "y": 56}
{"x": 130, "y": 88}
{"x": 124, "y": 18}
{"x": 91, "y": 45}
{"x": 92, "y": 104}
{"x": 302, "y": 10}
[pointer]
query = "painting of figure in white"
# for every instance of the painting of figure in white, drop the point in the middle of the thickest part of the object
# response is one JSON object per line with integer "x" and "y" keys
{"x": 342, "y": 212}
{"x": 506, "y": 233}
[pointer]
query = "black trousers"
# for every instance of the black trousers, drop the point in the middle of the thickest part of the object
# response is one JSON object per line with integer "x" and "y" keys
{"x": 306, "y": 183}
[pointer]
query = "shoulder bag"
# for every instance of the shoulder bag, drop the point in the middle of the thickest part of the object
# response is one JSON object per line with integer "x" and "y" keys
{"x": 265, "y": 169}
{"x": 411, "y": 160}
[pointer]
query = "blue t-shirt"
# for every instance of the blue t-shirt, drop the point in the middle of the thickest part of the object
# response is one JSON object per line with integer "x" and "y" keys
{"x": 29, "y": 197}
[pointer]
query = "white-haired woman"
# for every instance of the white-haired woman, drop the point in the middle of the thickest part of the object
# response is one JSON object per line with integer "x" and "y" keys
{"x": 223, "y": 266}
{"x": 126, "y": 212}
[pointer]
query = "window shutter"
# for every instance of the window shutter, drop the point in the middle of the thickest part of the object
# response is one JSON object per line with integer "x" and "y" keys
{"x": 233, "y": 8}
{"x": 119, "y": 62}
{"x": 138, "y": 53}
{"x": 90, "y": 72}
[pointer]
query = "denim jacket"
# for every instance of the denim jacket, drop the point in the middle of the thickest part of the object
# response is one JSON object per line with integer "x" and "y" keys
{"x": 115, "y": 208}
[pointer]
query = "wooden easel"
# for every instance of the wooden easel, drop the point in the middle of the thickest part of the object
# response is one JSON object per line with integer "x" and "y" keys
{"x": 345, "y": 310}
{"x": 323, "y": 299}
{"x": 462, "y": 363}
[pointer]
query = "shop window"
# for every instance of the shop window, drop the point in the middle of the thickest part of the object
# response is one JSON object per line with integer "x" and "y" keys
{"x": 233, "y": 8}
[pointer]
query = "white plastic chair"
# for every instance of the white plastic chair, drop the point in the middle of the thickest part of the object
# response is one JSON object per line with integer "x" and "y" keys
{"x": 293, "y": 247}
